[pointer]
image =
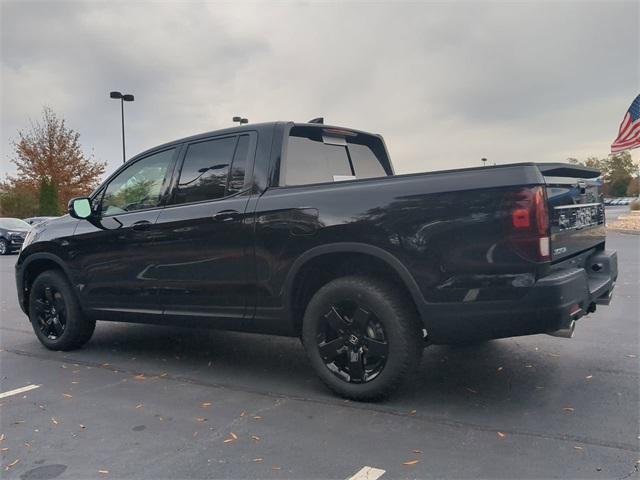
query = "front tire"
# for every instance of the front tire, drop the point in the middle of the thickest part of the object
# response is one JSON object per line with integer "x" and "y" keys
{"x": 4, "y": 247}
{"x": 362, "y": 337}
{"x": 55, "y": 314}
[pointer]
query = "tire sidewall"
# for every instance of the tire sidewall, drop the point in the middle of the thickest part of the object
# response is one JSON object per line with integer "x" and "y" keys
{"x": 74, "y": 319}
{"x": 376, "y": 297}
{"x": 7, "y": 250}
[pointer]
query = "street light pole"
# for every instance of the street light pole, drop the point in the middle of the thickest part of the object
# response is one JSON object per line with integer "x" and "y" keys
{"x": 127, "y": 97}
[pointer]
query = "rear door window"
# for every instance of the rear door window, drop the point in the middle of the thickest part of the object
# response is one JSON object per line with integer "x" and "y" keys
{"x": 205, "y": 170}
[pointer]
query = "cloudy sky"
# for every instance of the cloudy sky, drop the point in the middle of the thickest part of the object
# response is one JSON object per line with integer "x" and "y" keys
{"x": 446, "y": 83}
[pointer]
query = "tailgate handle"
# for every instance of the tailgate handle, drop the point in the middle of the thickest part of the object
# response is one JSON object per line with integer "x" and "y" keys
{"x": 226, "y": 216}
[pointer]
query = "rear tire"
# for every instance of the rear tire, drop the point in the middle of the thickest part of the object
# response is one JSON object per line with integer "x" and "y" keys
{"x": 362, "y": 337}
{"x": 55, "y": 313}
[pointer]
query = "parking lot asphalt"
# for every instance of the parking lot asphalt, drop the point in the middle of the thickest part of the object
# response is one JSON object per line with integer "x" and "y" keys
{"x": 155, "y": 402}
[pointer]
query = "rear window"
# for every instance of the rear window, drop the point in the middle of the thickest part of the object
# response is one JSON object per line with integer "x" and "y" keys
{"x": 318, "y": 155}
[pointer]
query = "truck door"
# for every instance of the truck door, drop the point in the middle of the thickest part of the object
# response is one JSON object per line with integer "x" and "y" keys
{"x": 208, "y": 243}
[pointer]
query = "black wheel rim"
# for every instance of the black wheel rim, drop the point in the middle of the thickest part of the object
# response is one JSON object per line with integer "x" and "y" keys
{"x": 51, "y": 312}
{"x": 352, "y": 342}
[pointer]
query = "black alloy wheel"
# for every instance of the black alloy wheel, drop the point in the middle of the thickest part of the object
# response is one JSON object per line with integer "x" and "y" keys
{"x": 4, "y": 247}
{"x": 50, "y": 312}
{"x": 55, "y": 314}
{"x": 363, "y": 336}
{"x": 352, "y": 343}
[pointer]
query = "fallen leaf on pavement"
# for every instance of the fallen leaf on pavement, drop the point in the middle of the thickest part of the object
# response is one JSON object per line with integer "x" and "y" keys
{"x": 2, "y": 437}
{"x": 413, "y": 412}
{"x": 201, "y": 419}
{"x": 257, "y": 459}
{"x": 578, "y": 448}
{"x": 104, "y": 472}
{"x": 243, "y": 414}
{"x": 276, "y": 468}
{"x": 235, "y": 437}
{"x": 82, "y": 426}
{"x": 140, "y": 405}
{"x": 472, "y": 390}
{"x": 54, "y": 421}
{"x": 411, "y": 462}
{"x": 568, "y": 409}
{"x": 229, "y": 440}
{"x": 257, "y": 417}
{"x": 67, "y": 395}
{"x": 502, "y": 435}
{"x": 4, "y": 449}
{"x": 631, "y": 355}
{"x": 589, "y": 377}
{"x": 500, "y": 369}
{"x": 12, "y": 464}
{"x": 416, "y": 451}
{"x": 140, "y": 377}
{"x": 255, "y": 437}
{"x": 206, "y": 405}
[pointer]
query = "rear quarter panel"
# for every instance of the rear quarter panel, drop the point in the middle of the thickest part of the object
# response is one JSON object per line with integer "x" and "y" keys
{"x": 442, "y": 226}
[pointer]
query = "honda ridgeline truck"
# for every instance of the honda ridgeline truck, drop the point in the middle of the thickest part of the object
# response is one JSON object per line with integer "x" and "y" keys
{"x": 303, "y": 229}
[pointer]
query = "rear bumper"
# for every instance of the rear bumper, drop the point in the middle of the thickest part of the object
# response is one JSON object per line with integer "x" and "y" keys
{"x": 551, "y": 304}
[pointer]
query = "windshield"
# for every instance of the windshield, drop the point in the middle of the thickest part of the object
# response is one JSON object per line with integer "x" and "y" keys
{"x": 14, "y": 224}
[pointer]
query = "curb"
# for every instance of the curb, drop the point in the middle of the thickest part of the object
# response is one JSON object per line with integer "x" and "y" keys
{"x": 622, "y": 230}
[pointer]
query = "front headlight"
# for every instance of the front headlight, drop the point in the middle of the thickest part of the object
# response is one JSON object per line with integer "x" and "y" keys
{"x": 28, "y": 239}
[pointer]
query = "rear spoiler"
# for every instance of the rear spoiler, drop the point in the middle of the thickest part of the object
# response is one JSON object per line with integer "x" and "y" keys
{"x": 567, "y": 170}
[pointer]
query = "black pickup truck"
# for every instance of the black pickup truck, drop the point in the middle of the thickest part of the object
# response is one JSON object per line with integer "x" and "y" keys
{"x": 303, "y": 229}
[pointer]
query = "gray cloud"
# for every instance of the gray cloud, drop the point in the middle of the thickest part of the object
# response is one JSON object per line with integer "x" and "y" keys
{"x": 445, "y": 83}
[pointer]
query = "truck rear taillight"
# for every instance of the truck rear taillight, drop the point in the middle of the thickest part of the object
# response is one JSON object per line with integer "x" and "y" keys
{"x": 529, "y": 223}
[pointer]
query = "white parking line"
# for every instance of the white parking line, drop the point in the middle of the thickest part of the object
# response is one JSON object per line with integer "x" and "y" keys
{"x": 18, "y": 390}
{"x": 368, "y": 473}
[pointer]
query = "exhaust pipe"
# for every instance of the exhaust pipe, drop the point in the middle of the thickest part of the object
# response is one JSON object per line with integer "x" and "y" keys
{"x": 566, "y": 332}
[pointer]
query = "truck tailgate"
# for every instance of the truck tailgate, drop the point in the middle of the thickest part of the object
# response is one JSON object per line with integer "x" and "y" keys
{"x": 576, "y": 211}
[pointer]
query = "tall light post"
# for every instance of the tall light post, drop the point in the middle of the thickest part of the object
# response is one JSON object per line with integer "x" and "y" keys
{"x": 123, "y": 97}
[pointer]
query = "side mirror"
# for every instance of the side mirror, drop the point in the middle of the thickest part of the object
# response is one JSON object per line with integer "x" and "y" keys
{"x": 80, "y": 208}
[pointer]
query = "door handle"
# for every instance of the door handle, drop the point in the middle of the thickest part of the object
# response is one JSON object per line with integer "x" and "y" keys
{"x": 226, "y": 216}
{"x": 141, "y": 225}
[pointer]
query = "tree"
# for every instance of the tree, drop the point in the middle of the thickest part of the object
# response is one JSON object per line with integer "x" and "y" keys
{"x": 49, "y": 153}
{"x": 18, "y": 201}
{"x": 48, "y": 199}
{"x": 617, "y": 171}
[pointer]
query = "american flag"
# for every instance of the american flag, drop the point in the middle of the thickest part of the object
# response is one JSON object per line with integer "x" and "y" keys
{"x": 629, "y": 133}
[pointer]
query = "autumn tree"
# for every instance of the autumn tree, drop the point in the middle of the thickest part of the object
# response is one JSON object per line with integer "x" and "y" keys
{"x": 618, "y": 171}
{"x": 18, "y": 200}
{"x": 49, "y": 153}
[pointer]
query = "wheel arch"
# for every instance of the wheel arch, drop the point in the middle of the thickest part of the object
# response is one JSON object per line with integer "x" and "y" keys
{"x": 33, "y": 266}
{"x": 340, "y": 259}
